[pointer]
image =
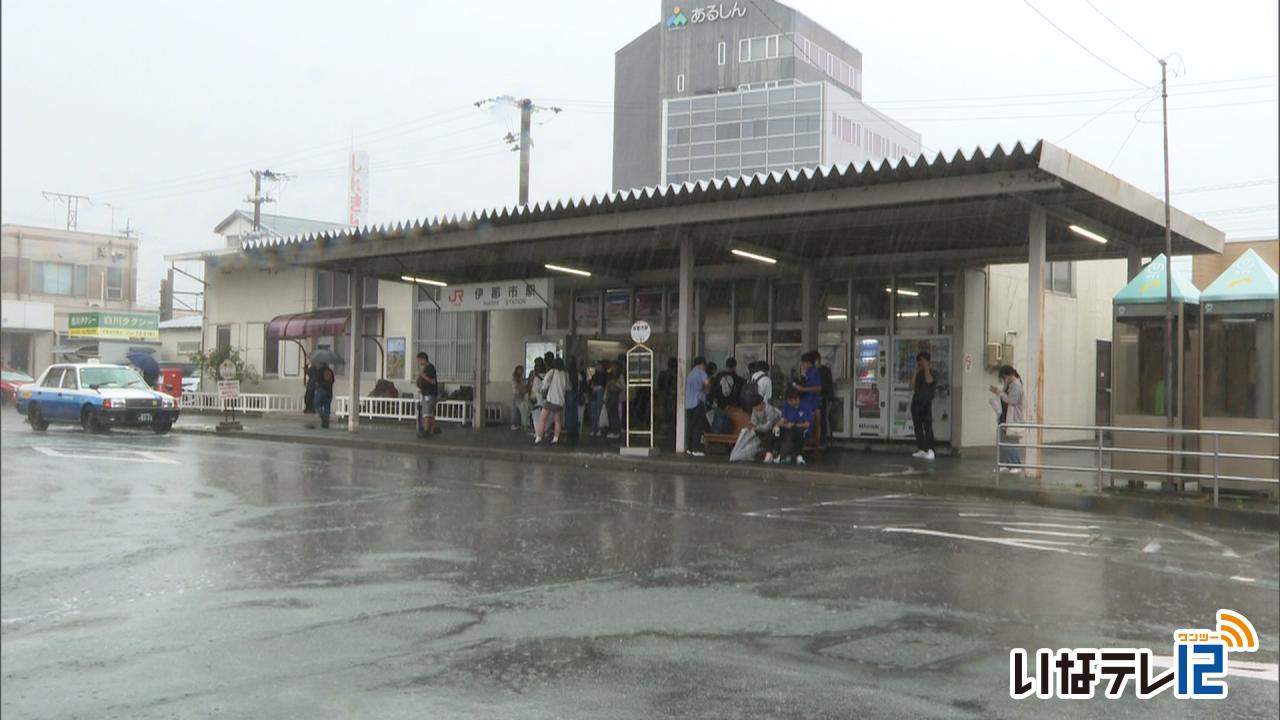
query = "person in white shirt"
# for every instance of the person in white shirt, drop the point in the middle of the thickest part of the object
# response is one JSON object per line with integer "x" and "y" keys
{"x": 764, "y": 386}
{"x": 553, "y": 387}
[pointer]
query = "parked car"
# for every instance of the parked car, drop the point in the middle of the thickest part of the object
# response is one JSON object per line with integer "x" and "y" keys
{"x": 9, "y": 382}
{"x": 97, "y": 396}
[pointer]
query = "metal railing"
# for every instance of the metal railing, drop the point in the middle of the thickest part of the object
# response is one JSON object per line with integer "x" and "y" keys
{"x": 1099, "y": 452}
{"x": 248, "y": 402}
{"x": 452, "y": 411}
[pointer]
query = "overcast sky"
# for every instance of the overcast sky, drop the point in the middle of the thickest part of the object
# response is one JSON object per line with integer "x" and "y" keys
{"x": 160, "y": 109}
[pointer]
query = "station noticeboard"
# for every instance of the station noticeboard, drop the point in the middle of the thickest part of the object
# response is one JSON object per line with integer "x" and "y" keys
{"x": 110, "y": 325}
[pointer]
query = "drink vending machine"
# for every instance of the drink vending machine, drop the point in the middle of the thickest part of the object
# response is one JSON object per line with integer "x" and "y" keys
{"x": 870, "y": 411}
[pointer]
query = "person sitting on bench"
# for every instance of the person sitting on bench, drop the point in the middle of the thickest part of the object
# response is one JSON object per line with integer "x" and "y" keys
{"x": 791, "y": 430}
{"x": 763, "y": 419}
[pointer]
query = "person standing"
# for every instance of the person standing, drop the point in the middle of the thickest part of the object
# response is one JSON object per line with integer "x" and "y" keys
{"x": 574, "y": 383}
{"x": 519, "y": 398}
{"x": 553, "y": 404}
{"x": 810, "y": 384}
{"x": 695, "y": 407}
{"x": 726, "y": 386}
{"x": 923, "y": 385}
{"x": 309, "y": 378}
{"x": 324, "y": 393}
{"x": 535, "y": 391}
{"x": 828, "y": 394}
{"x": 1012, "y": 400}
{"x": 760, "y": 383}
{"x": 613, "y": 400}
{"x": 429, "y": 388}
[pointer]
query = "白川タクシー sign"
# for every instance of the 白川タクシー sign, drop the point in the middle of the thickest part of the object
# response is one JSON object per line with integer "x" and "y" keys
{"x": 499, "y": 295}
{"x": 114, "y": 325}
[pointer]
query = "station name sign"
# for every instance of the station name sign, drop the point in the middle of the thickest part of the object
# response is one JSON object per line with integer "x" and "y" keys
{"x": 681, "y": 16}
{"x": 499, "y": 295}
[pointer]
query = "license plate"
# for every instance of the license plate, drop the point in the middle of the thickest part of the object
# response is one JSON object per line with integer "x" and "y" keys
{"x": 144, "y": 417}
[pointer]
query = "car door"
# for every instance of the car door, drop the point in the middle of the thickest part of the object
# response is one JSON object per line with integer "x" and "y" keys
{"x": 49, "y": 396}
{"x": 71, "y": 396}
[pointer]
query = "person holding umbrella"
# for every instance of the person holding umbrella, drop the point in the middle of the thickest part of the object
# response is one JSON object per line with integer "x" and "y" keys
{"x": 146, "y": 365}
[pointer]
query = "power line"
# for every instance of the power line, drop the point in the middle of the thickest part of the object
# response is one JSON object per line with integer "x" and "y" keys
{"x": 1226, "y": 186}
{"x": 1081, "y": 45}
{"x": 1122, "y": 30}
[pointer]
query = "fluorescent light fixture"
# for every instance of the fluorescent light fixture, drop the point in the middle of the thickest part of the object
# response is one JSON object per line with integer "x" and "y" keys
{"x": 903, "y": 291}
{"x": 752, "y": 256}
{"x": 837, "y": 317}
{"x": 1085, "y": 233}
{"x": 837, "y": 309}
{"x": 563, "y": 269}
{"x": 423, "y": 281}
{"x": 920, "y": 314}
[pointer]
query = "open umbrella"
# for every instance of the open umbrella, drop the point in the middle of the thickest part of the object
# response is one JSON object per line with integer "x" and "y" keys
{"x": 144, "y": 362}
{"x": 326, "y": 356}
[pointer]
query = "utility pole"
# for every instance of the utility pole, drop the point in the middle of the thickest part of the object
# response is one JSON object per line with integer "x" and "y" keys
{"x": 257, "y": 198}
{"x": 525, "y": 142}
{"x": 1169, "y": 345}
{"x": 73, "y": 205}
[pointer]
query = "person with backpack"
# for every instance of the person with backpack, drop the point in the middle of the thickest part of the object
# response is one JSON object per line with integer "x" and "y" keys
{"x": 429, "y": 388}
{"x": 726, "y": 386}
{"x": 757, "y": 385}
{"x": 535, "y": 390}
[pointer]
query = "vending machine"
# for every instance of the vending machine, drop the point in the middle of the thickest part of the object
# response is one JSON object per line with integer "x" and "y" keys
{"x": 870, "y": 406}
{"x": 903, "y": 371}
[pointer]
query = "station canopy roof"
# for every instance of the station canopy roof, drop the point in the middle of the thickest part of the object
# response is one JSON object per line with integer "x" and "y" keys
{"x": 320, "y": 323}
{"x": 1148, "y": 286}
{"x": 1248, "y": 278}
{"x": 944, "y": 212}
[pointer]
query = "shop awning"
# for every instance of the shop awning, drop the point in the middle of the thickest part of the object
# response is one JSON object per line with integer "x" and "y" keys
{"x": 321, "y": 323}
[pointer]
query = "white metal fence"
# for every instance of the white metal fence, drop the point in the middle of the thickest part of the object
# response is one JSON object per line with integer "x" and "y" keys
{"x": 1100, "y": 455}
{"x": 451, "y": 411}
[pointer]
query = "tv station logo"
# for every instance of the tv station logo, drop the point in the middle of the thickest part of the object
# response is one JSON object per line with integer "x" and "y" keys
{"x": 1198, "y": 670}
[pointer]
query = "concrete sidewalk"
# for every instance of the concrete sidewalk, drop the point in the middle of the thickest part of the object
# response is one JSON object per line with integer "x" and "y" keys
{"x": 890, "y": 470}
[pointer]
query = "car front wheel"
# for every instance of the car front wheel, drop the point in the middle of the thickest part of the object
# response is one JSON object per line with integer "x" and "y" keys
{"x": 36, "y": 418}
{"x": 89, "y": 419}
{"x": 161, "y": 428}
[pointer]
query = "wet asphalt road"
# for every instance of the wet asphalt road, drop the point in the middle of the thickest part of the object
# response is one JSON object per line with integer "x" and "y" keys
{"x": 188, "y": 576}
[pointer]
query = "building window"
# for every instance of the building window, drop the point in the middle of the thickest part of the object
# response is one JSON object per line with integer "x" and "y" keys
{"x": 270, "y": 353}
{"x": 333, "y": 290}
{"x": 60, "y": 279}
{"x": 224, "y": 338}
{"x": 680, "y": 82}
{"x": 1062, "y": 277}
{"x": 766, "y": 47}
{"x": 721, "y": 53}
{"x": 448, "y": 338}
{"x": 115, "y": 283}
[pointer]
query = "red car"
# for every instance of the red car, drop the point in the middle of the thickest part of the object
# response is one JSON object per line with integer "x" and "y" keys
{"x": 10, "y": 380}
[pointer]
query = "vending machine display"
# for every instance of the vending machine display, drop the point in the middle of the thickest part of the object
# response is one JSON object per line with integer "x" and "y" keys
{"x": 870, "y": 409}
{"x": 904, "y": 369}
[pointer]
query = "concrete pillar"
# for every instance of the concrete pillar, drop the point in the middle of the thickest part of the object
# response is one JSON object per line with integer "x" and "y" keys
{"x": 808, "y": 310}
{"x": 684, "y": 333}
{"x": 481, "y": 361}
{"x": 1034, "y": 373}
{"x": 1135, "y": 262}
{"x": 354, "y": 362}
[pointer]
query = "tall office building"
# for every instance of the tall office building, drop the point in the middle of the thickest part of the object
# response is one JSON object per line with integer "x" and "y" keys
{"x": 738, "y": 88}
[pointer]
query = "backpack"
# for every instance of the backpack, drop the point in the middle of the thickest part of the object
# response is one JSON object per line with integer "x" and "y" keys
{"x": 749, "y": 392}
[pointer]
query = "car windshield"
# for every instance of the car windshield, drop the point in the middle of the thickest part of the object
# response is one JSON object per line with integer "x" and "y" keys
{"x": 13, "y": 376}
{"x": 111, "y": 377}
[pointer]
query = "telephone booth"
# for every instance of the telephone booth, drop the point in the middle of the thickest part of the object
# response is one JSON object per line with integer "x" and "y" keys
{"x": 1239, "y": 350}
{"x": 1138, "y": 373}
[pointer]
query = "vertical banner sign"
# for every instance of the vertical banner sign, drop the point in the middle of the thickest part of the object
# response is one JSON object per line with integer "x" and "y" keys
{"x": 358, "y": 190}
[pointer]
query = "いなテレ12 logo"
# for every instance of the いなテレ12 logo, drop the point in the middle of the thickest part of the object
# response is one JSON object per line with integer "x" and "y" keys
{"x": 1198, "y": 669}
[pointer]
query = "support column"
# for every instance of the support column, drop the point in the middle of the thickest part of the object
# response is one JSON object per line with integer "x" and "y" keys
{"x": 1035, "y": 332}
{"x": 481, "y": 364}
{"x": 808, "y": 310}
{"x": 1135, "y": 262}
{"x": 684, "y": 334}
{"x": 357, "y": 347}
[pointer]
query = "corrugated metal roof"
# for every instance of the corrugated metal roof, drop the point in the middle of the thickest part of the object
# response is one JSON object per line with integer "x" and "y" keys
{"x": 282, "y": 225}
{"x": 182, "y": 323}
{"x": 1043, "y": 157}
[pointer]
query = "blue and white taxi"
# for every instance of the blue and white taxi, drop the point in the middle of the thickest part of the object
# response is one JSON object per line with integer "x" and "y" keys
{"x": 97, "y": 396}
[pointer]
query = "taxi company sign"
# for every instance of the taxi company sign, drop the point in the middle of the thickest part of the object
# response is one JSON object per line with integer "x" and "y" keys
{"x": 502, "y": 295}
{"x": 114, "y": 325}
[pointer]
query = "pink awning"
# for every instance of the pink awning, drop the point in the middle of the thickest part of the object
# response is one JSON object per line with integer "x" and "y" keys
{"x": 321, "y": 323}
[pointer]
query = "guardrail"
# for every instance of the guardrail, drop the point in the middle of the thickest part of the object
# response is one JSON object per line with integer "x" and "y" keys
{"x": 248, "y": 402}
{"x": 1100, "y": 452}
